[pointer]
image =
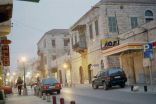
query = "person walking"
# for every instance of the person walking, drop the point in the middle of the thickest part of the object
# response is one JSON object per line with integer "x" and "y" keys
{"x": 19, "y": 85}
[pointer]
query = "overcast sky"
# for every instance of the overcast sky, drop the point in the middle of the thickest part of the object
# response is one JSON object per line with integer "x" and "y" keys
{"x": 32, "y": 20}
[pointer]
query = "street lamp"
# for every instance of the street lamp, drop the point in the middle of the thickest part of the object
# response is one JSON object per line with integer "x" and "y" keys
{"x": 23, "y": 60}
{"x": 14, "y": 75}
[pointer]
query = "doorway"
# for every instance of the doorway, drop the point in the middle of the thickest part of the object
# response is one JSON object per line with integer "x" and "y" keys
{"x": 90, "y": 73}
{"x": 81, "y": 75}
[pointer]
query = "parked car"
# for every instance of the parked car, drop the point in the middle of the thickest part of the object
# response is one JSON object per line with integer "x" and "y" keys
{"x": 110, "y": 77}
{"x": 49, "y": 85}
{"x": 7, "y": 89}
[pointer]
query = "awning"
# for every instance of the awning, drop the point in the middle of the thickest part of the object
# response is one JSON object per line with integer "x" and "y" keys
{"x": 122, "y": 48}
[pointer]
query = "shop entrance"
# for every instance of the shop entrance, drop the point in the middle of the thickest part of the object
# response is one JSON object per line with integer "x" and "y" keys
{"x": 81, "y": 75}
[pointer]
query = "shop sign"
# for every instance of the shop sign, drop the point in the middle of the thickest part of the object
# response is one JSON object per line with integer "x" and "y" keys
{"x": 154, "y": 44}
{"x": 108, "y": 43}
{"x": 5, "y": 41}
{"x": 5, "y": 55}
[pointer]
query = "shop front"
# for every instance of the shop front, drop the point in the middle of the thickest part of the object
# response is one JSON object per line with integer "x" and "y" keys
{"x": 131, "y": 60}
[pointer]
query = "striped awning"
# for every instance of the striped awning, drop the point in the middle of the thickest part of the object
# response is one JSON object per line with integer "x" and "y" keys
{"x": 122, "y": 48}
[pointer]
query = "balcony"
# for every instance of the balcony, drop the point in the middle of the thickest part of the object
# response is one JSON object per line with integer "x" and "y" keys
{"x": 80, "y": 47}
{"x": 5, "y": 16}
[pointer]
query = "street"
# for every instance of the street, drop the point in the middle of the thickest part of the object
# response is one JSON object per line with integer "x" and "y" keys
{"x": 90, "y": 96}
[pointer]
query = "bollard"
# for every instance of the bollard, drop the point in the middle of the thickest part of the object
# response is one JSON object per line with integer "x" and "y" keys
{"x": 44, "y": 96}
{"x": 132, "y": 87}
{"x": 145, "y": 88}
{"x": 54, "y": 99}
{"x": 72, "y": 102}
{"x": 40, "y": 94}
{"x": 61, "y": 100}
{"x": 48, "y": 98}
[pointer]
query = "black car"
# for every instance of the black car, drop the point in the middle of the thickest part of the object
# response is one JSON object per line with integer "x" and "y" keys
{"x": 110, "y": 77}
{"x": 49, "y": 85}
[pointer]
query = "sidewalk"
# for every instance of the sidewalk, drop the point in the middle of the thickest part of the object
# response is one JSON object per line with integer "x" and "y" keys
{"x": 150, "y": 89}
{"x": 25, "y": 100}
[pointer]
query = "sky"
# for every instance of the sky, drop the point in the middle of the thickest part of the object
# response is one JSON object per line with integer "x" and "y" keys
{"x": 31, "y": 20}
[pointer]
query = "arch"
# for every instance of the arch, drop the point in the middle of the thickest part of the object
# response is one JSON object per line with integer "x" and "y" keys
{"x": 81, "y": 75}
{"x": 90, "y": 73}
{"x": 148, "y": 13}
{"x": 102, "y": 64}
{"x": 148, "y": 16}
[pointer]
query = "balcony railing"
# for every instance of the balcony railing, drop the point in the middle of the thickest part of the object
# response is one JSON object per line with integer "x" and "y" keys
{"x": 80, "y": 46}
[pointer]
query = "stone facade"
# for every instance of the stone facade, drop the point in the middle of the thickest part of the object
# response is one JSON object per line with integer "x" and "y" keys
{"x": 50, "y": 47}
{"x": 92, "y": 55}
{"x": 133, "y": 61}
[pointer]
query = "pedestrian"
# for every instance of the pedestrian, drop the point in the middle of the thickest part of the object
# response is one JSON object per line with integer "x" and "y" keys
{"x": 19, "y": 85}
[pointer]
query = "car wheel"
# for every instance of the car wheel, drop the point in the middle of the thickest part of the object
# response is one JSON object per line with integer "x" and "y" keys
{"x": 58, "y": 92}
{"x": 94, "y": 86}
{"x": 105, "y": 86}
{"x": 122, "y": 85}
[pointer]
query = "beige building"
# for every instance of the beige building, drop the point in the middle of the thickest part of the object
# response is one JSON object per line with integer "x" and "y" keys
{"x": 138, "y": 67}
{"x": 5, "y": 28}
{"x": 54, "y": 44}
{"x": 98, "y": 30}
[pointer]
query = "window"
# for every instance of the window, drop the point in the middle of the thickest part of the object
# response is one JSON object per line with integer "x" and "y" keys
{"x": 91, "y": 31}
{"x": 112, "y": 24}
{"x": 44, "y": 43}
{"x": 53, "y": 57}
{"x": 134, "y": 22}
{"x": 45, "y": 60}
{"x": 53, "y": 43}
{"x": 96, "y": 27}
{"x": 148, "y": 13}
{"x": 72, "y": 41}
{"x": 66, "y": 41}
{"x": 75, "y": 38}
{"x": 148, "y": 16}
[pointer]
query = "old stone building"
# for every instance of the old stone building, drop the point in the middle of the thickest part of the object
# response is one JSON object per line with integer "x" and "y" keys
{"x": 54, "y": 44}
{"x": 98, "y": 30}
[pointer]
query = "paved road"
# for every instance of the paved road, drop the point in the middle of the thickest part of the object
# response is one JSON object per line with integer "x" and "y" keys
{"x": 89, "y": 96}
{"x": 100, "y": 96}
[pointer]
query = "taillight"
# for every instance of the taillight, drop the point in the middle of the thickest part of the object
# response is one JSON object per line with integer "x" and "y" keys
{"x": 45, "y": 87}
{"x": 58, "y": 85}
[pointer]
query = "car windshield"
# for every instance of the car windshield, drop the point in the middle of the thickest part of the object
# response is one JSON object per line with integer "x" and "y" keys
{"x": 49, "y": 81}
{"x": 113, "y": 71}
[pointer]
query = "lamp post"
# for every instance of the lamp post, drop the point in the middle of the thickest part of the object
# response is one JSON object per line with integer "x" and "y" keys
{"x": 23, "y": 60}
{"x": 14, "y": 75}
{"x": 65, "y": 67}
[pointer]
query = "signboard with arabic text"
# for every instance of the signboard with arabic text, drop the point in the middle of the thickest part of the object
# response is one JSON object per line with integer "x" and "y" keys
{"x": 108, "y": 43}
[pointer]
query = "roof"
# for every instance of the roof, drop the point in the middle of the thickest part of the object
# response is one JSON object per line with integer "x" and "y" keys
{"x": 58, "y": 31}
{"x": 128, "y": 1}
{"x": 114, "y": 1}
{"x": 55, "y": 32}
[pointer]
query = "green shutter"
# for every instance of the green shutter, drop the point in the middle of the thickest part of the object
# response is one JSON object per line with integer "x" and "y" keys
{"x": 31, "y": 0}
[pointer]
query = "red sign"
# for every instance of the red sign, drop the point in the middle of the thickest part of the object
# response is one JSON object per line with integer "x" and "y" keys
{"x": 5, "y": 41}
{"x": 154, "y": 44}
{"x": 5, "y": 55}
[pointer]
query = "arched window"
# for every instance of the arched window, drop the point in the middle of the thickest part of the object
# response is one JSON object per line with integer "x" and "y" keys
{"x": 148, "y": 13}
{"x": 148, "y": 16}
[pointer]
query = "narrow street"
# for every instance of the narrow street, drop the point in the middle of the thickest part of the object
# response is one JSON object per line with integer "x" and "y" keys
{"x": 89, "y": 96}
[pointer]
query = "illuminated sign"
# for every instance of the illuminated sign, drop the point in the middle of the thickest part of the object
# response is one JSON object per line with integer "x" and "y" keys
{"x": 5, "y": 55}
{"x": 109, "y": 42}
